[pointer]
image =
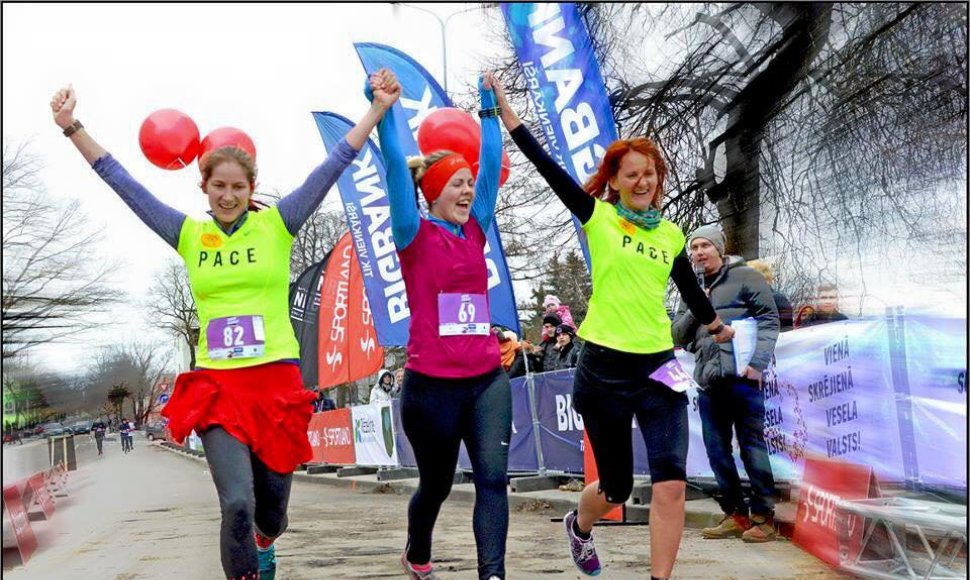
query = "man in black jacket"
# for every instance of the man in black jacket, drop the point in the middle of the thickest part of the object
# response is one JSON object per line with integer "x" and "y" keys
{"x": 731, "y": 399}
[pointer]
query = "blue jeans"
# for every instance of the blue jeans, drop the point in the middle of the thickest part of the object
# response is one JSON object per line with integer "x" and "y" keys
{"x": 735, "y": 405}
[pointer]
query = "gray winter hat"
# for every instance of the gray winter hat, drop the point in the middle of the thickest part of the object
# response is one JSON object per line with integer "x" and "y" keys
{"x": 712, "y": 234}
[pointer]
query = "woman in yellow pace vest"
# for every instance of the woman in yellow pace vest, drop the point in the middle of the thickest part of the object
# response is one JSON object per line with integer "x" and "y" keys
{"x": 627, "y": 366}
{"x": 246, "y": 399}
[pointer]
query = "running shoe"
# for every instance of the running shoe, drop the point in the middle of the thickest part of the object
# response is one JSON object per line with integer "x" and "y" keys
{"x": 267, "y": 562}
{"x": 413, "y": 573}
{"x": 582, "y": 551}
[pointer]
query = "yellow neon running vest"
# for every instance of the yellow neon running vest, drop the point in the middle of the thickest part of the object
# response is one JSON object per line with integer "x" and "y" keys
{"x": 630, "y": 269}
{"x": 245, "y": 274}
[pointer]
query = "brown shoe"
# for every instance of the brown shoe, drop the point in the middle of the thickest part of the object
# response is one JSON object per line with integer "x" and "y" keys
{"x": 762, "y": 530}
{"x": 730, "y": 526}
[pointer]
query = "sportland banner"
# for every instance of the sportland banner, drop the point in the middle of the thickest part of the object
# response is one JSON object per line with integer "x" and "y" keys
{"x": 420, "y": 95}
{"x": 331, "y": 435}
{"x": 570, "y": 99}
{"x": 374, "y": 434}
{"x": 363, "y": 191}
{"x": 347, "y": 344}
{"x": 305, "y": 317}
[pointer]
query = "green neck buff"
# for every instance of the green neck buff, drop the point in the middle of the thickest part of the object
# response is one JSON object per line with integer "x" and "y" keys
{"x": 647, "y": 220}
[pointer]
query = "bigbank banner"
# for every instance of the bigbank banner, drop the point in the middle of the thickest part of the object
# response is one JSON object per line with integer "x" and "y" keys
{"x": 420, "y": 95}
{"x": 363, "y": 193}
{"x": 570, "y": 99}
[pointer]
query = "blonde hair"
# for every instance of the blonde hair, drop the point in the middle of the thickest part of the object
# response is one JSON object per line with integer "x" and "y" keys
{"x": 419, "y": 165}
{"x": 764, "y": 268}
{"x": 225, "y": 154}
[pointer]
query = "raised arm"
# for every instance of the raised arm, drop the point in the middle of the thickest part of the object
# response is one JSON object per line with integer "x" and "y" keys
{"x": 298, "y": 206}
{"x": 405, "y": 219}
{"x": 490, "y": 155}
{"x": 563, "y": 185}
{"x": 162, "y": 219}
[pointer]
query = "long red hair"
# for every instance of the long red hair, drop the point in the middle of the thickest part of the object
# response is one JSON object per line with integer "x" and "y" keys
{"x": 598, "y": 184}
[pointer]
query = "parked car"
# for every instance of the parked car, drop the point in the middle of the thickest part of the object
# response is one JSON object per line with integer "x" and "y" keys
{"x": 81, "y": 427}
{"x": 155, "y": 431}
{"x": 53, "y": 430}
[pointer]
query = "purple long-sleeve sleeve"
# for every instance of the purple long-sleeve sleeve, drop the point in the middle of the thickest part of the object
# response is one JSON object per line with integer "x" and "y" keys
{"x": 297, "y": 207}
{"x": 162, "y": 219}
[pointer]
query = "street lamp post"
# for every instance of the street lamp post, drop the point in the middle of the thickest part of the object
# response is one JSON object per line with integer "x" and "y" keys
{"x": 444, "y": 40}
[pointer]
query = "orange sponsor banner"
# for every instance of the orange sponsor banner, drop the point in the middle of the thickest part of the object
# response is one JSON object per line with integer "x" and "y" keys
{"x": 332, "y": 352}
{"x": 366, "y": 355}
{"x": 331, "y": 437}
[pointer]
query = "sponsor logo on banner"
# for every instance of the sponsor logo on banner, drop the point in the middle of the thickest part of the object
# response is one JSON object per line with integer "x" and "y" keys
{"x": 363, "y": 190}
{"x": 565, "y": 86}
{"x": 374, "y": 435}
{"x": 331, "y": 438}
{"x": 820, "y": 526}
{"x": 347, "y": 344}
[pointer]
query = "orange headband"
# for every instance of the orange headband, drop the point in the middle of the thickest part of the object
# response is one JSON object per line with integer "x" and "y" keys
{"x": 436, "y": 177}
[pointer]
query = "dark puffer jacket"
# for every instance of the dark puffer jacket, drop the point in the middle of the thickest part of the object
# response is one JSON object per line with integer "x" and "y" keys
{"x": 738, "y": 291}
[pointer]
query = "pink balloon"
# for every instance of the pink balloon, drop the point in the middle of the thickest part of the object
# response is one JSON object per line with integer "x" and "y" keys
{"x": 226, "y": 137}
{"x": 169, "y": 139}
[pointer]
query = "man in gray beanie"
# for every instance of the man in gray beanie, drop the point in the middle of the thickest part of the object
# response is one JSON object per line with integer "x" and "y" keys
{"x": 731, "y": 399}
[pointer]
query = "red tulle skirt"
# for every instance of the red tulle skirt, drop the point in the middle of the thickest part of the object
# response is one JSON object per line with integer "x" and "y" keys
{"x": 265, "y": 407}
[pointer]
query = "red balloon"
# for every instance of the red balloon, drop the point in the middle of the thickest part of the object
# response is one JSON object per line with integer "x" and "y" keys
{"x": 503, "y": 174}
{"x": 226, "y": 137}
{"x": 169, "y": 139}
{"x": 455, "y": 130}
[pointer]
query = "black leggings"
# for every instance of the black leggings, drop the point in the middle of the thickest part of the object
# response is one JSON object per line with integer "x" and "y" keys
{"x": 612, "y": 387}
{"x": 248, "y": 492}
{"x": 437, "y": 415}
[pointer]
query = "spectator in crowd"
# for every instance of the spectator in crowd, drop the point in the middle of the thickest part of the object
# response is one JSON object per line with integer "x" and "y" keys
{"x": 568, "y": 350}
{"x": 508, "y": 346}
{"x": 545, "y": 351}
{"x": 551, "y": 304}
{"x": 383, "y": 390}
{"x": 785, "y": 311}
{"x": 826, "y": 308}
{"x": 731, "y": 400}
{"x": 399, "y": 380}
{"x": 326, "y": 403}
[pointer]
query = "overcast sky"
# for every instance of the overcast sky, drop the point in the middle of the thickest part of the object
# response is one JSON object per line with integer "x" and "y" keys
{"x": 262, "y": 68}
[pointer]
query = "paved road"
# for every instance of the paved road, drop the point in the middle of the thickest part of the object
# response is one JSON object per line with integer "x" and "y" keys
{"x": 154, "y": 514}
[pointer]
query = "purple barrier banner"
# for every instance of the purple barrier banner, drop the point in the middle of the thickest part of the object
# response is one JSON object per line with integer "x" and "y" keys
{"x": 405, "y": 454}
{"x": 936, "y": 360}
{"x": 560, "y": 426}
{"x": 522, "y": 447}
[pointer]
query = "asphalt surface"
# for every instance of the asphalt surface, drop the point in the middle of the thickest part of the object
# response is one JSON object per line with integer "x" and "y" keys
{"x": 153, "y": 513}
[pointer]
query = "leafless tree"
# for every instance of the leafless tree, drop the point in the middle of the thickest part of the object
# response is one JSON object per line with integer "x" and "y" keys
{"x": 813, "y": 132}
{"x": 134, "y": 368}
{"x": 52, "y": 282}
{"x": 171, "y": 306}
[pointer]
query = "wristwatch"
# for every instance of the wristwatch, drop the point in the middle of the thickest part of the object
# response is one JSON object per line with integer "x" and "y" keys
{"x": 718, "y": 330}
{"x": 73, "y": 128}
